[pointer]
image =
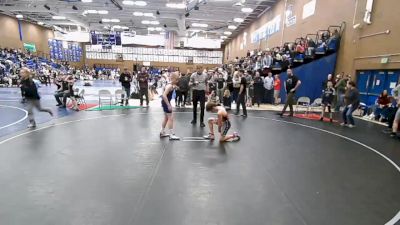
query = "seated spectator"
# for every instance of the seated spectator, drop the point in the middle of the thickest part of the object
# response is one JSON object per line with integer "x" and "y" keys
{"x": 227, "y": 100}
{"x": 62, "y": 86}
{"x": 310, "y": 47}
{"x": 381, "y": 106}
{"x": 69, "y": 93}
{"x": 300, "y": 48}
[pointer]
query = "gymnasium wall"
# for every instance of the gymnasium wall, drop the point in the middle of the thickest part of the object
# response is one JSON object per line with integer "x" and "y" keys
{"x": 384, "y": 17}
{"x": 31, "y": 33}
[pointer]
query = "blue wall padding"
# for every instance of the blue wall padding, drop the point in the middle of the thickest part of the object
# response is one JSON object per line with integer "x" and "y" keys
{"x": 312, "y": 75}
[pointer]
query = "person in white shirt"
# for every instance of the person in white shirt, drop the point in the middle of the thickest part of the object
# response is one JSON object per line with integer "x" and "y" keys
{"x": 269, "y": 88}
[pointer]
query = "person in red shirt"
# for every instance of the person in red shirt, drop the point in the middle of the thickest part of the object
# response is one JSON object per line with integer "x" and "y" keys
{"x": 277, "y": 89}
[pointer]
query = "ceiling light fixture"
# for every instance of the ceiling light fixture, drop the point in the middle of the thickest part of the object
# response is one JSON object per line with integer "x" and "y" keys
{"x": 162, "y": 33}
{"x": 238, "y": 20}
{"x": 176, "y": 5}
{"x": 227, "y": 33}
{"x": 137, "y": 13}
{"x": 19, "y": 16}
{"x": 148, "y": 14}
{"x": 140, "y": 3}
{"x": 102, "y": 12}
{"x": 199, "y": 25}
{"x": 40, "y": 23}
{"x": 154, "y": 22}
{"x": 86, "y": 1}
{"x": 159, "y": 29}
{"x": 105, "y": 20}
{"x": 232, "y": 27}
{"x": 58, "y": 17}
{"x": 145, "y": 22}
{"x": 247, "y": 10}
{"x": 127, "y": 2}
{"x": 115, "y": 20}
{"x": 224, "y": 37}
{"x": 151, "y": 29}
{"x": 91, "y": 11}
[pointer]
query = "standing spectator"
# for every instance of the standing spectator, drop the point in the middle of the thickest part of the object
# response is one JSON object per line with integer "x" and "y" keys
{"x": 229, "y": 85}
{"x": 242, "y": 95}
{"x": 351, "y": 101}
{"x": 340, "y": 91}
{"x": 327, "y": 98}
{"x": 328, "y": 79}
{"x": 32, "y": 96}
{"x": 143, "y": 79}
{"x": 183, "y": 85}
{"x": 126, "y": 79}
{"x": 220, "y": 86}
{"x": 258, "y": 88}
{"x": 198, "y": 82}
{"x": 236, "y": 85}
{"x": 269, "y": 88}
{"x": 277, "y": 90}
{"x": 291, "y": 85}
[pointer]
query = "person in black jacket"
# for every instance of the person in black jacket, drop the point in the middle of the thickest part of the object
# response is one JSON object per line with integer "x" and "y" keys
{"x": 352, "y": 101}
{"x": 32, "y": 96}
{"x": 258, "y": 88}
{"x": 183, "y": 85}
{"x": 126, "y": 79}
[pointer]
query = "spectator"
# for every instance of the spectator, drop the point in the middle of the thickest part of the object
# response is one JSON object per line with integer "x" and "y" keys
{"x": 292, "y": 84}
{"x": 143, "y": 79}
{"x": 277, "y": 90}
{"x": 62, "y": 87}
{"x": 340, "y": 91}
{"x": 69, "y": 93}
{"x": 213, "y": 98}
{"x": 382, "y": 104}
{"x": 352, "y": 101}
{"x": 267, "y": 60}
{"x": 329, "y": 79}
{"x": 183, "y": 85}
{"x": 269, "y": 88}
{"x": 236, "y": 86}
{"x": 126, "y": 79}
{"x": 220, "y": 81}
{"x": 327, "y": 98}
{"x": 258, "y": 88}
{"x": 227, "y": 100}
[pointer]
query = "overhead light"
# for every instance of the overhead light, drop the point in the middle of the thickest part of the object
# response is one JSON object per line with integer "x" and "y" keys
{"x": 86, "y": 1}
{"x": 176, "y": 5}
{"x": 58, "y": 17}
{"x": 199, "y": 25}
{"x": 19, "y": 16}
{"x": 102, "y": 12}
{"x": 126, "y": 2}
{"x": 224, "y": 37}
{"x": 91, "y": 11}
{"x": 247, "y": 10}
{"x": 105, "y": 20}
{"x": 159, "y": 29}
{"x": 40, "y": 23}
{"x": 124, "y": 28}
{"x": 238, "y": 20}
{"x": 148, "y": 14}
{"x": 117, "y": 27}
{"x": 154, "y": 22}
{"x": 232, "y": 27}
{"x": 140, "y": 3}
{"x": 47, "y": 7}
{"x": 137, "y": 13}
{"x": 145, "y": 22}
{"x": 162, "y": 33}
{"x": 115, "y": 20}
{"x": 151, "y": 29}
{"x": 227, "y": 33}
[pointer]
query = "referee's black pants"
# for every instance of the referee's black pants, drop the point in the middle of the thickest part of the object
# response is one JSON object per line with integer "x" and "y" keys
{"x": 199, "y": 96}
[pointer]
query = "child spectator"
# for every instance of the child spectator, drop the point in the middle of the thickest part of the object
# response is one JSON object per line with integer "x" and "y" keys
{"x": 327, "y": 98}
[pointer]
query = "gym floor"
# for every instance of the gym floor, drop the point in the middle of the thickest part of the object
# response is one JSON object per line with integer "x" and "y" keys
{"x": 110, "y": 167}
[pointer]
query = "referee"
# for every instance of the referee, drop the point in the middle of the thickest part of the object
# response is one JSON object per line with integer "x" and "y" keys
{"x": 198, "y": 82}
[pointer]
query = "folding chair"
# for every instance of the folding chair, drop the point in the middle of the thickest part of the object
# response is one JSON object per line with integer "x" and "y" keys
{"x": 118, "y": 96}
{"x": 303, "y": 102}
{"x": 105, "y": 95}
{"x": 316, "y": 104}
{"x": 80, "y": 98}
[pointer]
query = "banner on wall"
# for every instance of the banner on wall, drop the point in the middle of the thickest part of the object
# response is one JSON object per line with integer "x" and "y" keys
{"x": 266, "y": 30}
{"x": 30, "y": 47}
{"x": 290, "y": 16}
{"x": 309, "y": 9}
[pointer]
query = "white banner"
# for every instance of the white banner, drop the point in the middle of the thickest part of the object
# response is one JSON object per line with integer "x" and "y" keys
{"x": 266, "y": 30}
{"x": 309, "y": 9}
